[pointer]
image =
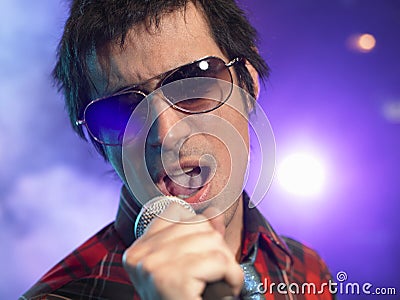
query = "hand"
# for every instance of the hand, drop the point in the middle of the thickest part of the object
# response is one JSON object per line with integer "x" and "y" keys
{"x": 174, "y": 261}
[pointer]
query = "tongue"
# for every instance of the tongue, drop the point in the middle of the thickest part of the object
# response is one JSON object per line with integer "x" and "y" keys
{"x": 176, "y": 189}
{"x": 183, "y": 184}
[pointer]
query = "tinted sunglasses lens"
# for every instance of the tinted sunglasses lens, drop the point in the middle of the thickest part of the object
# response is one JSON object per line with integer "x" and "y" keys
{"x": 107, "y": 118}
{"x": 204, "y": 92}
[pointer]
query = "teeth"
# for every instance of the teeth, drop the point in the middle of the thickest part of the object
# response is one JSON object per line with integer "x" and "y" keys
{"x": 188, "y": 169}
{"x": 183, "y": 171}
{"x": 183, "y": 197}
{"x": 176, "y": 173}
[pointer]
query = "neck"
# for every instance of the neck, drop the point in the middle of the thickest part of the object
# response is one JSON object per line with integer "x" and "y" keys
{"x": 234, "y": 228}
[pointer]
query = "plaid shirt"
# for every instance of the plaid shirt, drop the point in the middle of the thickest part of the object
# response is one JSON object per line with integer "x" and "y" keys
{"x": 95, "y": 271}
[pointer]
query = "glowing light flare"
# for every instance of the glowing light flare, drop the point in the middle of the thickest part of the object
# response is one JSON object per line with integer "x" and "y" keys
{"x": 366, "y": 42}
{"x": 302, "y": 174}
{"x": 391, "y": 111}
{"x": 363, "y": 43}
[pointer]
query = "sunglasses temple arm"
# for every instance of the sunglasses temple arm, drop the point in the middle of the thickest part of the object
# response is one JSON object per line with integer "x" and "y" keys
{"x": 233, "y": 61}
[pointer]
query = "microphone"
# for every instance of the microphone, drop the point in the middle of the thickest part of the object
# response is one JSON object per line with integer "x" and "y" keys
{"x": 218, "y": 290}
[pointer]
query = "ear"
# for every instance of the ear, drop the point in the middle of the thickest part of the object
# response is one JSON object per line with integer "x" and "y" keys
{"x": 254, "y": 76}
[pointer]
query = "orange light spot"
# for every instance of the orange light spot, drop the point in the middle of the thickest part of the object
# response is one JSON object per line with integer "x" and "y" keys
{"x": 366, "y": 42}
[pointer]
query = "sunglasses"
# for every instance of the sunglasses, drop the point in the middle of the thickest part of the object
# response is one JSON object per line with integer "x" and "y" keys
{"x": 107, "y": 118}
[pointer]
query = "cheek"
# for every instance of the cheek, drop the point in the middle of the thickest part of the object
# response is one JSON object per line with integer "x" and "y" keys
{"x": 232, "y": 148}
{"x": 237, "y": 119}
{"x": 223, "y": 155}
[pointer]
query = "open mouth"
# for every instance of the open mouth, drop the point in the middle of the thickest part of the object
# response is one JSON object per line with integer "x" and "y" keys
{"x": 189, "y": 183}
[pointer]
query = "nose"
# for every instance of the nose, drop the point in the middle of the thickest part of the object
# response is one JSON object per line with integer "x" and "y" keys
{"x": 168, "y": 129}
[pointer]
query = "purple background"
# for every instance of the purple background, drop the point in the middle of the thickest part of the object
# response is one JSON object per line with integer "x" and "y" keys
{"x": 55, "y": 191}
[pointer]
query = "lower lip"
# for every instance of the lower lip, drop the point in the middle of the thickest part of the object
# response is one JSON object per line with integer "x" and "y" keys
{"x": 199, "y": 196}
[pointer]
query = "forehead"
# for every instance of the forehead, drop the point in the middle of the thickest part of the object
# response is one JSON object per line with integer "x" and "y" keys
{"x": 181, "y": 37}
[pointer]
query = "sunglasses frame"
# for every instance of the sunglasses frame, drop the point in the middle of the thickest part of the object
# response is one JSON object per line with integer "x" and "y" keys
{"x": 163, "y": 77}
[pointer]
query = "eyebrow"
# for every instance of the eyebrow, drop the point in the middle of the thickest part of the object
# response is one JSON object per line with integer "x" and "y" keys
{"x": 159, "y": 77}
{"x": 140, "y": 86}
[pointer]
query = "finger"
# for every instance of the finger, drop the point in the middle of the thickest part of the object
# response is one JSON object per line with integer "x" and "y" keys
{"x": 214, "y": 268}
{"x": 162, "y": 233}
{"x": 197, "y": 243}
{"x": 195, "y": 270}
{"x": 173, "y": 214}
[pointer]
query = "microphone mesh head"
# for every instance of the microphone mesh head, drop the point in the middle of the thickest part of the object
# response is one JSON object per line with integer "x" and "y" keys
{"x": 154, "y": 208}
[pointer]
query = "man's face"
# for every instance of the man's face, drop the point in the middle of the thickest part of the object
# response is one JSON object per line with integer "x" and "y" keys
{"x": 180, "y": 39}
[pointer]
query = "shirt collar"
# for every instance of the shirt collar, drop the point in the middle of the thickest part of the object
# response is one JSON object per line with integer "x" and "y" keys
{"x": 127, "y": 212}
{"x": 255, "y": 229}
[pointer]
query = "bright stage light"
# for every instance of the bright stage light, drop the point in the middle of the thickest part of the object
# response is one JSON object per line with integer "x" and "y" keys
{"x": 362, "y": 42}
{"x": 366, "y": 42}
{"x": 302, "y": 174}
{"x": 391, "y": 111}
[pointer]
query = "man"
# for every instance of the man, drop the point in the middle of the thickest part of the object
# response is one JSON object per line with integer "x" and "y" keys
{"x": 113, "y": 54}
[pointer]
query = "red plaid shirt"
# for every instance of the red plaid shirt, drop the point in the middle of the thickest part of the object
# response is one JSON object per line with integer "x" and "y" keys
{"x": 95, "y": 271}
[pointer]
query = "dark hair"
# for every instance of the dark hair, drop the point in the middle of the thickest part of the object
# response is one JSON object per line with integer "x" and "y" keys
{"x": 93, "y": 24}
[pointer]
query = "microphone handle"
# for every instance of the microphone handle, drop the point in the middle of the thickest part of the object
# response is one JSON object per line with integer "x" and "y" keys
{"x": 218, "y": 290}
